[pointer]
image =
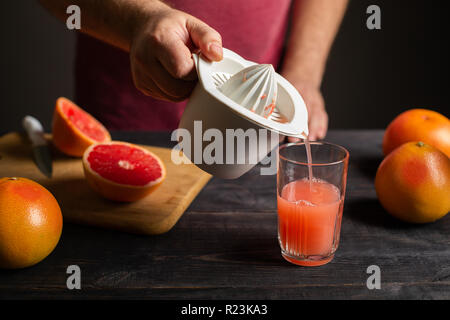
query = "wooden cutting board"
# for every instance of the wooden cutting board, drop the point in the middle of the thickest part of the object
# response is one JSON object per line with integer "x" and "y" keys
{"x": 154, "y": 214}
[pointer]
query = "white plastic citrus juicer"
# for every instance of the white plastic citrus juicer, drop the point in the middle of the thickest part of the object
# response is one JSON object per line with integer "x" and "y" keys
{"x": 235, "y": 93}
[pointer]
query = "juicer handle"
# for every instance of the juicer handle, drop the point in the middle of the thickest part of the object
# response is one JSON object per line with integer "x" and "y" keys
{"x": 196, "y": 57}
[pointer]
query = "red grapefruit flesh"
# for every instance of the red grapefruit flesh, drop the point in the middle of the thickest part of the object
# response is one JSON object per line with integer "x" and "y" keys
{"x": 122, "y": 171}
{"x": 74, "y": 130}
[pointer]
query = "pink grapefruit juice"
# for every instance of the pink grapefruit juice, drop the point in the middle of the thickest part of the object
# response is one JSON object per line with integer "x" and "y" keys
{"x": 309, "y": 211}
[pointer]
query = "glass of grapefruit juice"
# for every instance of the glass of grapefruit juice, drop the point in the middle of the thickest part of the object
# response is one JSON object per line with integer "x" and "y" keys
{"x": 310, "y": 198}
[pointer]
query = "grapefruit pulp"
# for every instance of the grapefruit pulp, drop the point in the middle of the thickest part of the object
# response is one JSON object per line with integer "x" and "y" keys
{"x": 74, "y": 130}
{"x": 122, "y": 171}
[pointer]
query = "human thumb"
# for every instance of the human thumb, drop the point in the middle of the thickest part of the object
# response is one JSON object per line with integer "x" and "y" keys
{"x": 206, "y": 39}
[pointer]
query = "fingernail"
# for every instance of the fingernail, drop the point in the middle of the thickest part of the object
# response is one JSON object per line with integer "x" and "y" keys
{"x": 216, "y": 50}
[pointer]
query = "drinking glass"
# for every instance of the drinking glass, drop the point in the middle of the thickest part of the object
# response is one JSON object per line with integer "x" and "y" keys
{"x": 310, "y": 210}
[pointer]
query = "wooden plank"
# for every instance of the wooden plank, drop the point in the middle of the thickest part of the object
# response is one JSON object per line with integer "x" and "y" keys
{"x": 154, "y": 214}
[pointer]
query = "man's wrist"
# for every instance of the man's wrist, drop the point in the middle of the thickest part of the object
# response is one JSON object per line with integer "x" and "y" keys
{"x": 146, "y": 13}
{"x": 303, "y": 69}
{"x": 299, "y": 76}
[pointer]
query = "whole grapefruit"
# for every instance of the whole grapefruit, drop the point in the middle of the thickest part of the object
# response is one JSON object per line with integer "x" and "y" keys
{"x": 423, "y": 125}
{"x": 122, "y": 171}
{"x": 30, "y": 223}
{"x": 74, "y": 130}
{"x": 413, "y": 183}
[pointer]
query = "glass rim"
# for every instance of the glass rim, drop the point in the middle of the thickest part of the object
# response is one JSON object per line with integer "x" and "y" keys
{"x": 286, "y": 145}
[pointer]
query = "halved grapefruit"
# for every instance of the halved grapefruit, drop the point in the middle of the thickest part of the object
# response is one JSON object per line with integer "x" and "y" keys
{"x": 74, "y": 130}
{"x": 122, "y": 171}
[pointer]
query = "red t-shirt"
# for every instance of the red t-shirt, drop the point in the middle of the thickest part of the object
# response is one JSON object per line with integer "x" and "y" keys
{"x": 255, "y": 29}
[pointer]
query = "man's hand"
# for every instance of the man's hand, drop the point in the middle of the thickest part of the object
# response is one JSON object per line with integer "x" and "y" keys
{"x": 315, "y": 104}
{"x": 160, "y": 53}
{"x": 160, "y": 40}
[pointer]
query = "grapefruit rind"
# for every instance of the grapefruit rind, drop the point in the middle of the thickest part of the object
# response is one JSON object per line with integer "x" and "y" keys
{"x": 417, "y": 196}
{"x": 31, "y": 224}
{"x": 418, "y": 124}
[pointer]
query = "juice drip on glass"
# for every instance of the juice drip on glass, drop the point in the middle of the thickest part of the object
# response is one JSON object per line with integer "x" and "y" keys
{"x": 309, "y": 159}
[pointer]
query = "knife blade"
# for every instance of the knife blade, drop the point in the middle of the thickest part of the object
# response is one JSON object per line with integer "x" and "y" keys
{"x": 41, "y": 149}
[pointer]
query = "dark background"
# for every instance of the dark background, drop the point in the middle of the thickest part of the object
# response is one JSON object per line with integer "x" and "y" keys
{"x": 372, "y": 75}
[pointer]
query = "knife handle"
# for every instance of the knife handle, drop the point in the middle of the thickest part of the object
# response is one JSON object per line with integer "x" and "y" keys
{"x": 34, "y": 130}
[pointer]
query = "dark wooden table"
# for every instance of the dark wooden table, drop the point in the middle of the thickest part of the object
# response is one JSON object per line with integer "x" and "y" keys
{"x": 225, "y": 247}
